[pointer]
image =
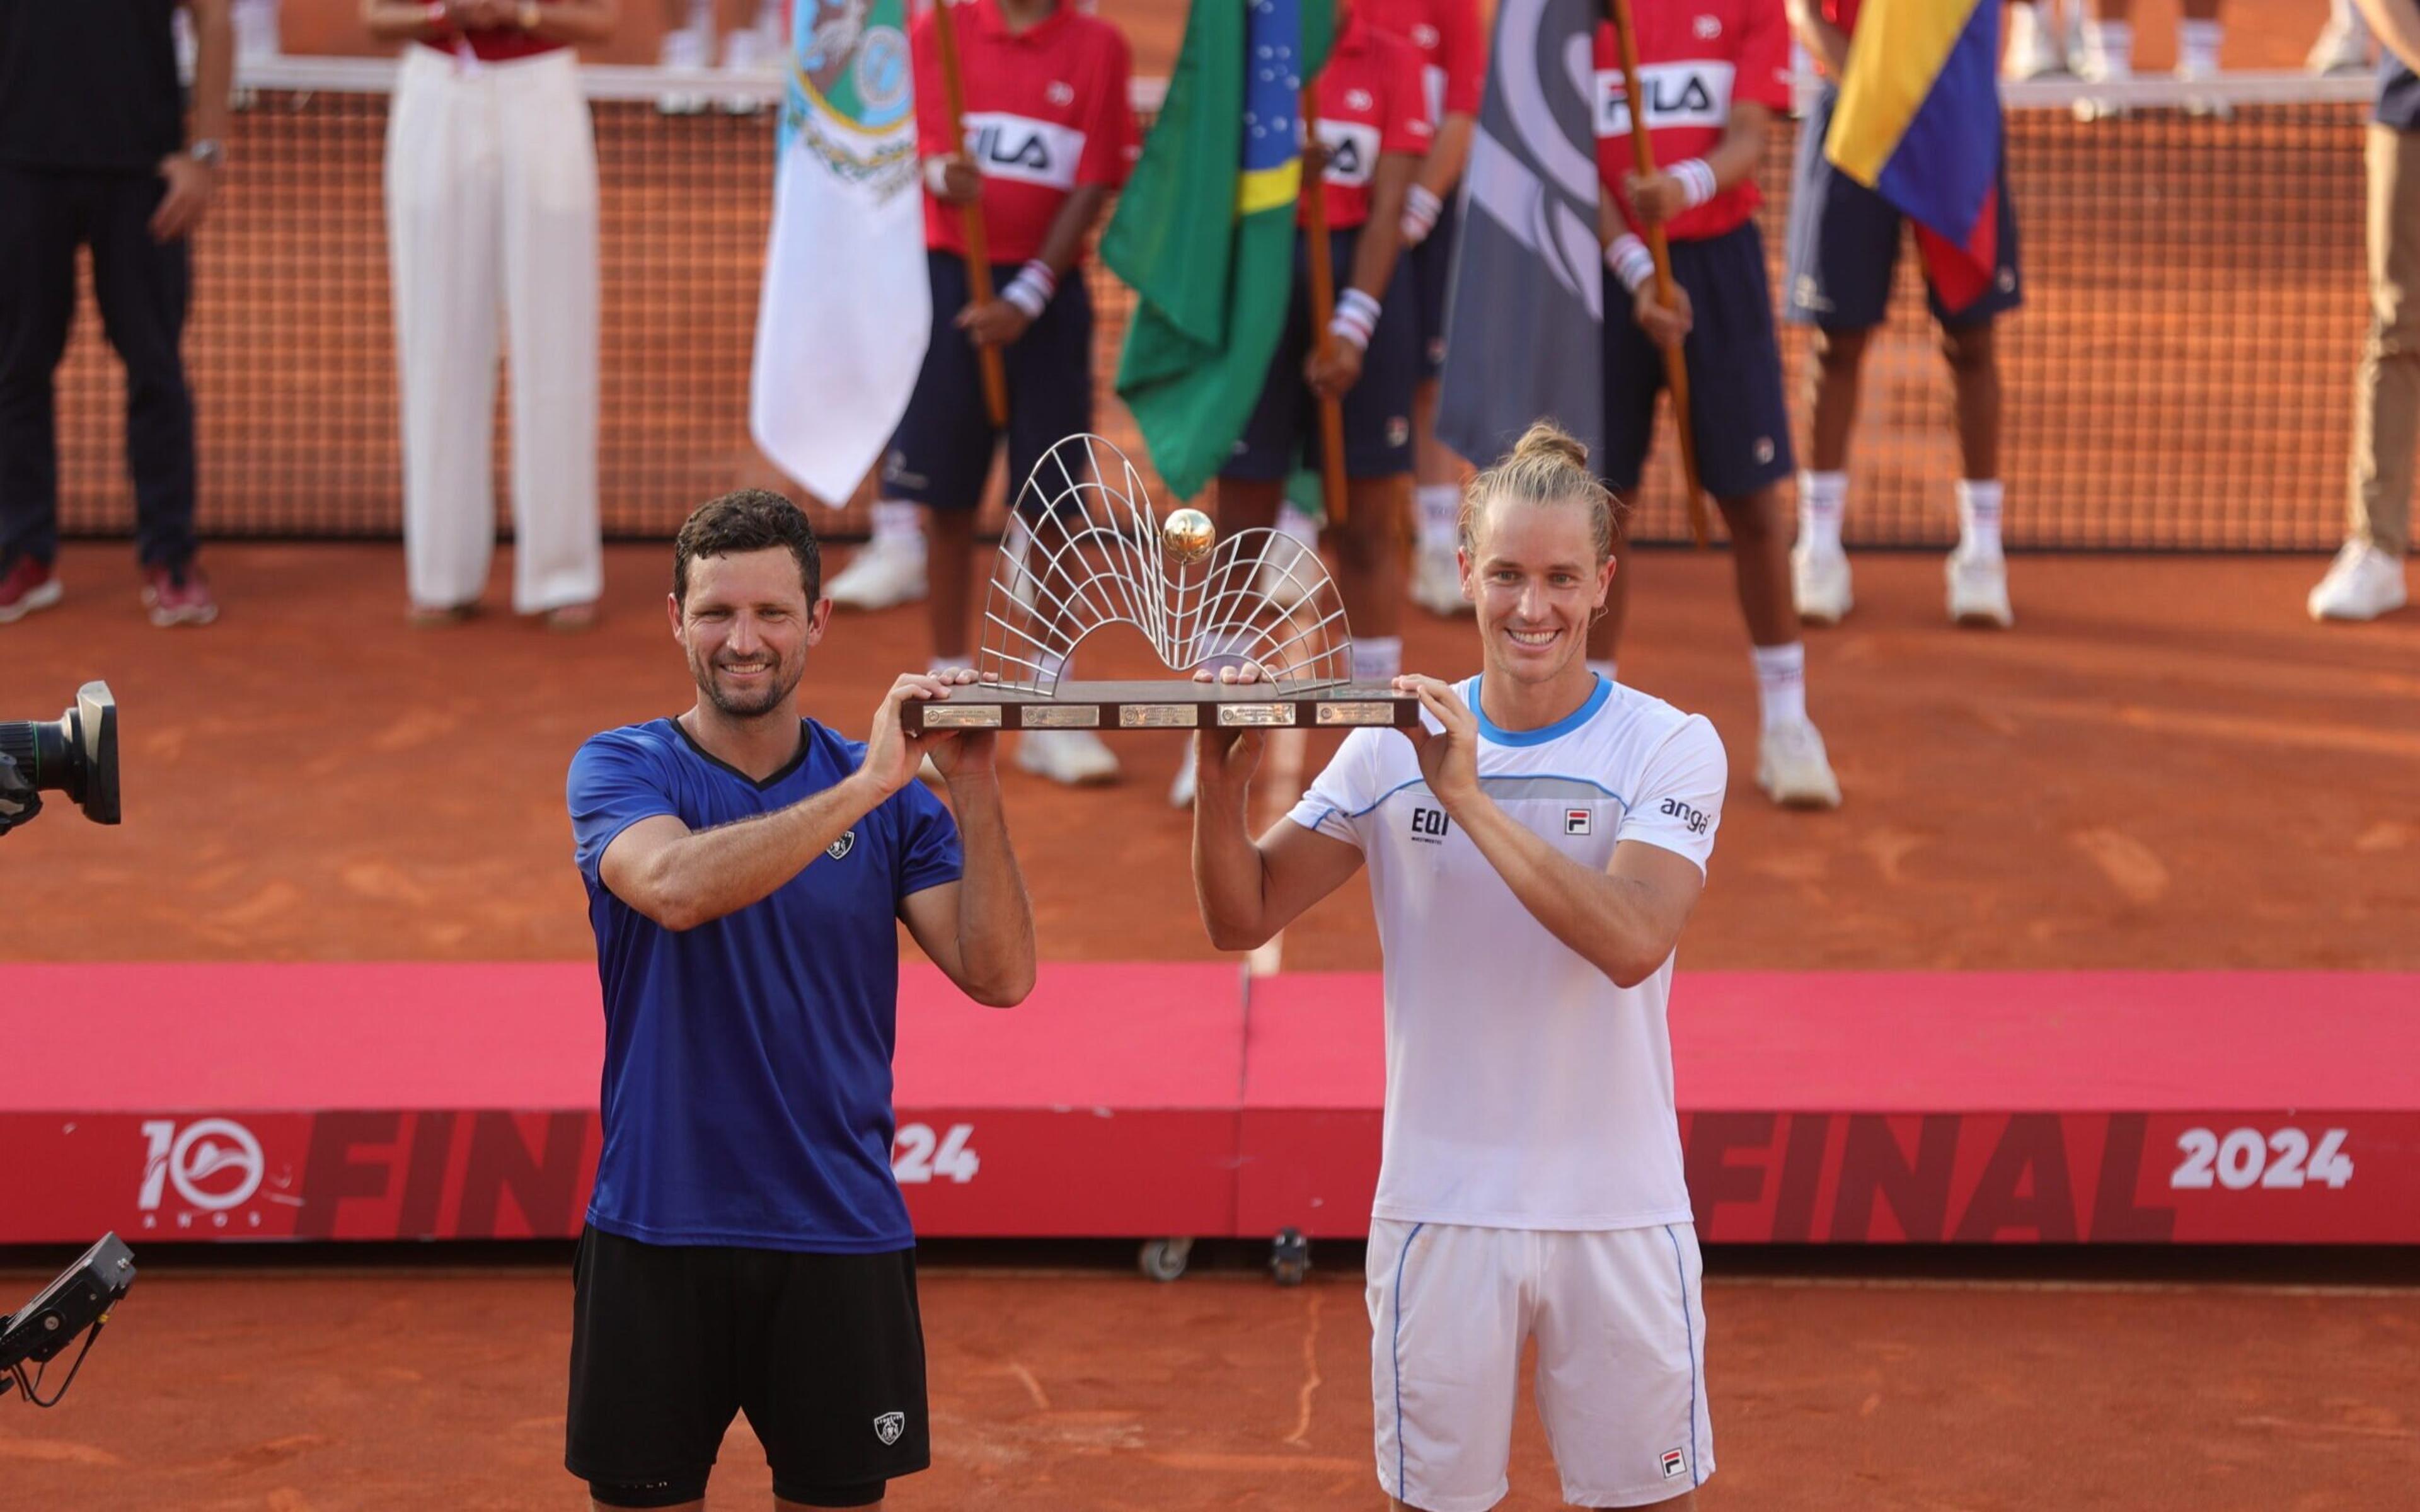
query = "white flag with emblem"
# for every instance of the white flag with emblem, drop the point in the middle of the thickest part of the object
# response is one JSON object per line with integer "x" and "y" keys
{"x": 846, "y": 311}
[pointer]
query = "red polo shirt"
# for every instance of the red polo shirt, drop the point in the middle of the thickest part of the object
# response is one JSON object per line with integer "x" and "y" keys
{"x": 493, "y": 44}
{"x": 1695, "y": 58}
{"x": 1046, "y": 111}
{"x": 1371, "y": 102}
{"x": 1452, "y": 48}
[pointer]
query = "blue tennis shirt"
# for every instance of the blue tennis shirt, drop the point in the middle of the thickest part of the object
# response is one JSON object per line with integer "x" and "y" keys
{"x": 747, "y": 1089}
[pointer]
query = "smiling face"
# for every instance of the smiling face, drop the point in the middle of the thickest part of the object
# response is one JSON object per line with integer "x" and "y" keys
{"x": 1533, "y": 572}
{"x": 746, "y": 625}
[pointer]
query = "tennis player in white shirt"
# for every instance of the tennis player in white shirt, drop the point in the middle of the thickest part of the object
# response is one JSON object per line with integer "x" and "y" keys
{"x": 1534, "y": 849}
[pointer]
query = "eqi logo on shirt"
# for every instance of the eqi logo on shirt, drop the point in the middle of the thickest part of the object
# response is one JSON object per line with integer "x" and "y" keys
{"x": 1678, "y": 94}
{"x": 1429, "y": 826}
{"x": 841, "y": 846}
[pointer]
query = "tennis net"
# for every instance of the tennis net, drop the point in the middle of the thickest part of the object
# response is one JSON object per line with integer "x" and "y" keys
{"x": 2179, "y": 377}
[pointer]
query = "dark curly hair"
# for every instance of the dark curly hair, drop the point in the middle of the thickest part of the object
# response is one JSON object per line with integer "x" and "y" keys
{"x": 746, "y": 519}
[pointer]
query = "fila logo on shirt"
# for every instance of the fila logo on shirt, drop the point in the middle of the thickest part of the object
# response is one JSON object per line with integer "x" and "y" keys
{"x": 1578, "y": 821}
{"x": 1695, "y": 819}
{"x": 1429, "y": 826}
{"x": 1352, "y": 151}
{"x": 841, "y": 846}
{"x": 1023, "y": 148}
{"x": 1678, "y": 94}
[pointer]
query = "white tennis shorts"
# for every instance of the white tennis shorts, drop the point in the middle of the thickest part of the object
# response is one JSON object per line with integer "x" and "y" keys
{"x": 1621, "y": 1352}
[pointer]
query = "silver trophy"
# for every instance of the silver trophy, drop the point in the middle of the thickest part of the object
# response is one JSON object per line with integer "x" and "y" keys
{"x": 1251, "y": 598}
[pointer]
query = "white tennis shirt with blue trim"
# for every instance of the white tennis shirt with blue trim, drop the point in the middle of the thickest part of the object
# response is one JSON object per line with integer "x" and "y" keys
{"x": 1524, "y": 1088}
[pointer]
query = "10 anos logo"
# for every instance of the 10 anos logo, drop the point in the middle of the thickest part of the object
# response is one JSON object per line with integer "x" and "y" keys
{"x": 213, "y": 1164}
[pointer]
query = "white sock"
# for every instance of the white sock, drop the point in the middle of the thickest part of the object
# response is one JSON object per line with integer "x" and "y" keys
{"x": 2112, "y": 46}
{"x": 2197, "y": 43}
{"x": 1780, "y": 683}
{"x": 1821, "y": 497}
{"x": 1440, "y": 516}
{"x": 1297, "y": 526}
{"x": 898, "y": 524}
{"x": 1377, "y": 659}
{"x": 1978, "y": 516}
{"x": 1602, "y": 668}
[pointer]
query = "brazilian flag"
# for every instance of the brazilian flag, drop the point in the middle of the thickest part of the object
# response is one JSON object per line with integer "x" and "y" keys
{"x": 1204, "y": 232}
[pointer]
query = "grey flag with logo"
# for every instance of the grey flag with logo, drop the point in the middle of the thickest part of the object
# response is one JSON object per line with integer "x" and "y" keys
{"x": 1524, "y": 312}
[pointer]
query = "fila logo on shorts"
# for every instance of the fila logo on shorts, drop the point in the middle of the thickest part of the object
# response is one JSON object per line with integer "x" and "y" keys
{"x": 891, "y": 1424}
{"x": 1675, "y": 1464}
{"x": 1352, "y": 151}
{"x": 1018, "y": 147}
{"x": 836, "y": 850}
{"x": 1577, "y": 821}
{"x": 1678, "y": 94}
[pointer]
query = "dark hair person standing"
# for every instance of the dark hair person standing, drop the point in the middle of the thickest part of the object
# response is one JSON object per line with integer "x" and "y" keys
{"x": 94, "y": 153}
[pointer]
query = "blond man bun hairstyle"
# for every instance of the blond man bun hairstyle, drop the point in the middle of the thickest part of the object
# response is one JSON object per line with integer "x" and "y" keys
{"x": 1546, "y": 466}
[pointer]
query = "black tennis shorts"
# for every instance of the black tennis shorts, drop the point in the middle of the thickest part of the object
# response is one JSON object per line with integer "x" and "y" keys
{"x": 824, "y": 1352}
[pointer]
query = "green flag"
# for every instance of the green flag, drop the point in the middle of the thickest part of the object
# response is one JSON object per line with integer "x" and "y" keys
{"x": 1204, "y": 232}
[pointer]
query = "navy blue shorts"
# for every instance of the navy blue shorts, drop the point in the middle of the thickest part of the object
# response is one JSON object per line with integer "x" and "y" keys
{"x": 941, "y": 453}
{"x": 1431, "y": 275}
{"x": 1737, "y": 413}
{"x": 1844, "y": 245}
{"x": 1284, "y": 427}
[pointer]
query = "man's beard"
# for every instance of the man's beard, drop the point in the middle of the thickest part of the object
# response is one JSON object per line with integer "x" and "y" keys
{"x": 775, "y": 695}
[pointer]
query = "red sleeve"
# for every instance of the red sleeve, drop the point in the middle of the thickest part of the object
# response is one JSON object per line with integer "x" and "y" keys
{"x": 1764, "y": 77}
{"x": 1465, "y": 44}
{"x": 1111, "y": 146}
{"x": 1405, "y": 127}
{"x": 932, "y": 105}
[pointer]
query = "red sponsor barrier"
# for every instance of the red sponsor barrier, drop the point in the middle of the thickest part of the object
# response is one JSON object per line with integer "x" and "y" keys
{"x": 382, "y": 1102}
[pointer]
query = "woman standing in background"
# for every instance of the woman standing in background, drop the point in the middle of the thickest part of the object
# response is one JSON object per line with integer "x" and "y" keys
{"x": 491, "y": 205}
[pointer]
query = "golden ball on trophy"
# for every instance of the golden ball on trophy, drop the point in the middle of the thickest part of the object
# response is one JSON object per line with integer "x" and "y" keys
{"x": 1187, "y": 535}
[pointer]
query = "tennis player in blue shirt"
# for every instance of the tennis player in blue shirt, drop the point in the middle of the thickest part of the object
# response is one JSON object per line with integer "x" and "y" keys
{"x": 747, "y": 1248}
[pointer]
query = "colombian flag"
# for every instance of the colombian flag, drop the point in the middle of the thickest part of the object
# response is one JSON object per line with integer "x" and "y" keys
{"x": 1919, "y": 122}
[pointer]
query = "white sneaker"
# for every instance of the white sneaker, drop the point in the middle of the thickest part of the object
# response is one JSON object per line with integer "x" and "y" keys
{"x": 743, "y": 51}
{"x": 1436, "y": 583}
{"x": 687, "y": 47}
{"x": 2033, "y": 48}
{"x": 1188, "y": 777}
{"x": 1071, "y": 758}
{"x": 883, "y": 573}
{"x": 2361, "y": 584}
{"x": 2209, "y": 107}
{"x": 2343, "y": 47}
{"x": 1820, "y": 581}
{"x": 1979, "y": 588}
{"x": 1793, "y": 770}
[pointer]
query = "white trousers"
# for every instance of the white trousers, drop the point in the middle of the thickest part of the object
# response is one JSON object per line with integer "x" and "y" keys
{"x": 491, "y": 207}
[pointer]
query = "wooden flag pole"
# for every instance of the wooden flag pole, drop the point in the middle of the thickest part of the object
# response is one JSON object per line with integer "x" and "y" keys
{"x": 1322, "y": 308}
{"x": 995, "y": 375}
{"x": 1676, "y": 366}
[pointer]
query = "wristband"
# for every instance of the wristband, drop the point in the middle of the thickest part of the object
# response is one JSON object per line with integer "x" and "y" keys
{"x": 1696, "y": 179}
{"x": 1420, "y": 211}
{"x": 1355, "y": 318}
{"x": 1031, "y": 288}
{"x": 1630, "y": 260}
